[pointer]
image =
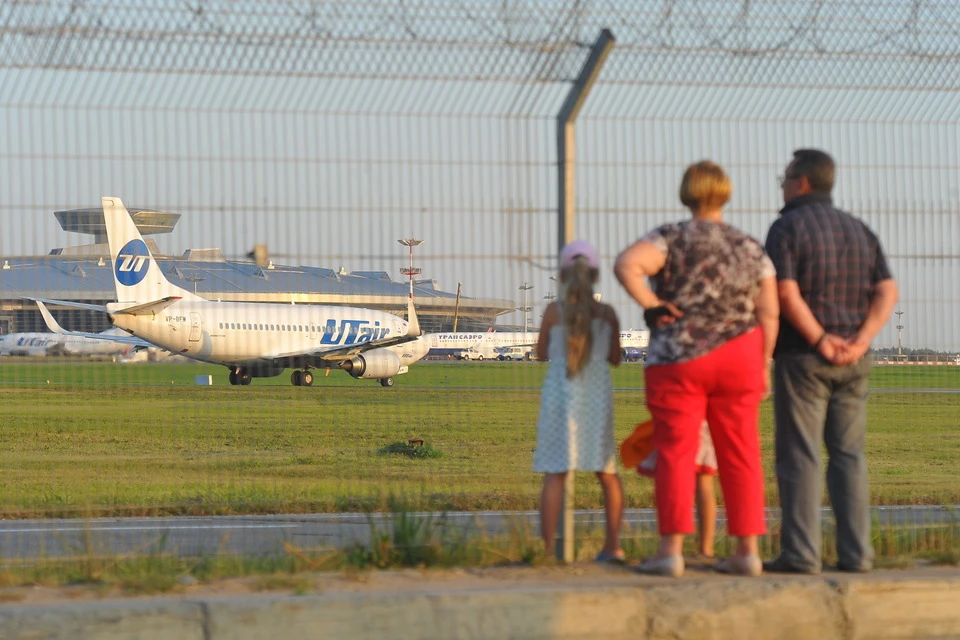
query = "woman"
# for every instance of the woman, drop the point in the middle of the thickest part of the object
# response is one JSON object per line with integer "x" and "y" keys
{"x": 714, "y": 322}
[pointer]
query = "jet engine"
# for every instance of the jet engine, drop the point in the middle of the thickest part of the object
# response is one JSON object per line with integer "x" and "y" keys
{"x": 378, "y": 363}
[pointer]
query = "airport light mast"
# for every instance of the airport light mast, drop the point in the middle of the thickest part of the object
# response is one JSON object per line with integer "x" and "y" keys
{"x": 525, "y": 287}
{"x": 899, "y": 336}
{"x": 410, "y": 271}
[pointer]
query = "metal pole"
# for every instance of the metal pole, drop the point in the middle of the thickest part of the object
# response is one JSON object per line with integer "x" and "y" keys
{"x": 456, "y": 309}
{"x": 899, "y": 336}
{"x": 525, "y": 287}
{"x": 566, "y": 163}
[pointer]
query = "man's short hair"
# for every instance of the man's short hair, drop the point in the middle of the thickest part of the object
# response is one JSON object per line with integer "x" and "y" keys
{"x": 705, "y": 186}
{"x": 817, "y": 166}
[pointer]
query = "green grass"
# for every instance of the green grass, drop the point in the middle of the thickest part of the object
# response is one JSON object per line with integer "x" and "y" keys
{"x": 102, "y": 439}
{"x": 106, "y": 439}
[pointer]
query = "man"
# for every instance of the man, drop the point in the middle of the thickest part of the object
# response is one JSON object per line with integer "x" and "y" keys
{"x": 836, "y": 293}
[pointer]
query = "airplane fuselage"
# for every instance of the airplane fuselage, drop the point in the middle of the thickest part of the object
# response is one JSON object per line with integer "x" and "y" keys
{"x": 231, "y": 333}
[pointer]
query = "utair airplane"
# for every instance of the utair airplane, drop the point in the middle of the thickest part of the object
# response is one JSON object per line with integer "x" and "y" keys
{"x": 42, "y": 344}
{"x": 252, "y": 339}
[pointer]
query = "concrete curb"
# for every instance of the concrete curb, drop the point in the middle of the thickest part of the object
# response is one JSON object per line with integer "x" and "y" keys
{"x": 591, "y": 602}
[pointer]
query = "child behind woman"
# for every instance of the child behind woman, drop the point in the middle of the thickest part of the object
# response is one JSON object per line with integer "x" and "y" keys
{"x": 706, "y": 497}
{"x": 579, "y": 336}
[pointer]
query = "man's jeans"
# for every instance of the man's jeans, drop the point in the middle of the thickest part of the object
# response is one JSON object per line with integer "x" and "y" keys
{"x": 814, "y": 402}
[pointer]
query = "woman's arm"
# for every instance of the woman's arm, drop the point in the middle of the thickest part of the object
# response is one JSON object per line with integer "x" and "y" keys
{"x": 632, "y": 268}
{"x": 767, "y": 311}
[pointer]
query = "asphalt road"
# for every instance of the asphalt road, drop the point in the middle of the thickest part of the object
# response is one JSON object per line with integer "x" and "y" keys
{"x": 25, "y": 540}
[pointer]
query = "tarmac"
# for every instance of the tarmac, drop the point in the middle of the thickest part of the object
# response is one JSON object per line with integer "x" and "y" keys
{"x": 582, "y": 600}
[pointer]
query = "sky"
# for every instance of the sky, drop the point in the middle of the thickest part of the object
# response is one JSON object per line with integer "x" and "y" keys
{"x": 454, "y": 141}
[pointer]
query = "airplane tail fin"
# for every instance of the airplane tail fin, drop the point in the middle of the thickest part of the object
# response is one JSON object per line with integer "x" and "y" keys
{"x": 413, "y": 322}
{"x": 136, "y": 274}
{"x": 52, "y": 323}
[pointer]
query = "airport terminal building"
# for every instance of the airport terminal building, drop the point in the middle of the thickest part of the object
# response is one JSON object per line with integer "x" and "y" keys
{"x": 84, "y": 274}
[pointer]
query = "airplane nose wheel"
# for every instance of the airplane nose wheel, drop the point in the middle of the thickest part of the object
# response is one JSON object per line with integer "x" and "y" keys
{"x": 386, "y": 382}
{"x": 301, "y": 378}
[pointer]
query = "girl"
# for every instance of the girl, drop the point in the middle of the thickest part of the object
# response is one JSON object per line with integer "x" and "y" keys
{"x": 706, "y": 497}
{"x": 579, "y": 336}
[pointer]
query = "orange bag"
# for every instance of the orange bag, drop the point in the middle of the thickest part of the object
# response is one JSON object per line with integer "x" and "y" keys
{"x": 638, "y": 445}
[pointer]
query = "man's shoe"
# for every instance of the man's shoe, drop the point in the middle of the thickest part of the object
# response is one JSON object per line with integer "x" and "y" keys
{"x": 779, "y": 565}
{"x": 741, "y": 566}
{"x": 671, "y": 566}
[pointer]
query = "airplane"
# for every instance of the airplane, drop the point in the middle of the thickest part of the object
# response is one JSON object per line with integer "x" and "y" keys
{"x": 28, "y": 344}
{"x": 487, "y": 343}
{"x": 633, "y": 344}
{"x": 251, "y": 339}
{"x": 484, "y": 342}
{"x": 42, "y": 344}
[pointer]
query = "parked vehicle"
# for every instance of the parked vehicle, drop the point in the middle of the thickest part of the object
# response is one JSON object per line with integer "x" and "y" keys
{"x": 515, "y": 353}
{"x": 474, "y": 353}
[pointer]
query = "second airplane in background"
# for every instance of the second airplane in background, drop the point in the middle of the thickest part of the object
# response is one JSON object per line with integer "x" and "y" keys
{"x": 253, "y": 340}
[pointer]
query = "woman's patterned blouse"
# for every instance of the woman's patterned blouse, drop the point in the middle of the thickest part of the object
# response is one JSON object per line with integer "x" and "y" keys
{"x": 712, "y": 273}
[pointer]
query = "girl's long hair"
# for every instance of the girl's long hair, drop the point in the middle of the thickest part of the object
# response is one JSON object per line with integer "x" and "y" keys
{"x": 578, "y": 280}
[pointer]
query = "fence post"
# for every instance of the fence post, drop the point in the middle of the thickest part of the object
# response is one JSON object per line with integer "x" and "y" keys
{"x": 566, "y": 159}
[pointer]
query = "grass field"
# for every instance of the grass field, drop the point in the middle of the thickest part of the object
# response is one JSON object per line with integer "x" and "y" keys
{"x": 107, "y": 439}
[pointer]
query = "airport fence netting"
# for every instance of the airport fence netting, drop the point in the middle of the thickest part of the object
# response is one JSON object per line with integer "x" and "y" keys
{"x": 307, "y": 153}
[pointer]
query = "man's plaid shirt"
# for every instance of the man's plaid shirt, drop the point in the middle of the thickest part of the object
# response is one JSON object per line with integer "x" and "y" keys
{"x": 834, "y": 257}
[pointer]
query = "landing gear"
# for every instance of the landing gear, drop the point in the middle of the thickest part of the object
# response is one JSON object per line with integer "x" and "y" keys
{"x": 386, "y": 382}
{"x": 301, "y": 378}
{"x": 241, "y": 377}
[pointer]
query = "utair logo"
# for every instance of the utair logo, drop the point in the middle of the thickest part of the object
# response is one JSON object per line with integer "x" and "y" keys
{"x": 131, "y": 264}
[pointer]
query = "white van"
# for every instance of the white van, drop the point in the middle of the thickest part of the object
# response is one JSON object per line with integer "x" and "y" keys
{"x": 515, "y": 353}
{"x": 479, "y": 352}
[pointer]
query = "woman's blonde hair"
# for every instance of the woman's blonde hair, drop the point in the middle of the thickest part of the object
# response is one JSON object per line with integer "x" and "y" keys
{"x": 578, "y": 280}
{"x": 705, "y": 186}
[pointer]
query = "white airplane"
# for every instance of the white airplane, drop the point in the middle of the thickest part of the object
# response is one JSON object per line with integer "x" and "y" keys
{"x": 42, "y": 344}
{"x": 252, "y": 339}
{"x": 632, "y": 341}
{"x": 485, "y": 342}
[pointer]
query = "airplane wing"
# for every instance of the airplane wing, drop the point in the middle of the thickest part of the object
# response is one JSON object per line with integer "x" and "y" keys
{"x": 67, "y": 303}
{"x": 55, "y": 327}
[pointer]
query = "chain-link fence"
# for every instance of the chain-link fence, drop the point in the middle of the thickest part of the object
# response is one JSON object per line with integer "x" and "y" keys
{"x": 324, "y": 132}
